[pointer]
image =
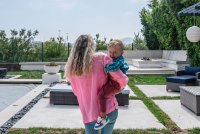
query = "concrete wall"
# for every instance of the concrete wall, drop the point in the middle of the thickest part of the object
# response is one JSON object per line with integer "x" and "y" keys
{"x": 177, "y": 55}
{"x": 137, "y": 54}
{"x": 10, "y": 66}
{"x": 38, "y": 65}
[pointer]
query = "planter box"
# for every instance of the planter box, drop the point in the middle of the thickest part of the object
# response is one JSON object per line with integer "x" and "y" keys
{"x": 51, "y": 69}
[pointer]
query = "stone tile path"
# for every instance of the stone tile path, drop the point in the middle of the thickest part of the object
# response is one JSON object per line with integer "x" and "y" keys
{"x": 156, "y": 90}
{"x": 62, "y": 116}
{"x": 182, "y": 116}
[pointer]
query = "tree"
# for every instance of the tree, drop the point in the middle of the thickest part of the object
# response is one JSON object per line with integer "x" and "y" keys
{"x": 4, "y": 46}
{"x": 139, "y": 43}
{"x": 21, "y": 44}
{"x": 101, "y": 44}
{"x": 162, "y": 25}
{"x": 149, "y": 36}
{"x": 55, "y": 49}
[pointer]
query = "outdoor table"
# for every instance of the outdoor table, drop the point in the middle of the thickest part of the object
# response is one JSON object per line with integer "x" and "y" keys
{"x": 190, "y": 97}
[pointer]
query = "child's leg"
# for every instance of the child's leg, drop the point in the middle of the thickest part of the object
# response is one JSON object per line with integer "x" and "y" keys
{"x": 102, "y": 104}
{"x": 111, "y": 88}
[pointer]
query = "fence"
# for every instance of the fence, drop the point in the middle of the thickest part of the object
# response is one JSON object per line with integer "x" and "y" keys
{"x": 36, "y": 52}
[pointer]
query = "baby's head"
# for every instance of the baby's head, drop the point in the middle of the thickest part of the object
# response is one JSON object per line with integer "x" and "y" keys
{"x": 115, "y": 48}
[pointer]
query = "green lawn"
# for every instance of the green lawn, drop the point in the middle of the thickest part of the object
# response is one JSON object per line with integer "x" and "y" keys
{"x": 29, "y": 74}
{"x": 148, "y": 79}
{"x": 136, "y": 79}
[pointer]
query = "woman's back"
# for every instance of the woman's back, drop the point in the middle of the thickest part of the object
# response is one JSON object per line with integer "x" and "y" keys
{"x": 87, "y": 87}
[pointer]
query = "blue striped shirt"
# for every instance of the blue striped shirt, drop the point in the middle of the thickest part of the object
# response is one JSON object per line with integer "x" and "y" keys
{"x": 118, "y": 63}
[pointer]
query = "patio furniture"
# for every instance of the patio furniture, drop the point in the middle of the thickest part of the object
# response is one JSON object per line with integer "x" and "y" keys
{"x": 173, "y": 59}
{"x": 193, "y": 10}
{"x": 190, "y": 98}
{"x": 3, "y": 72}
{"x": 61, "y": 94}
{"x": 151, "y": 63}
{"x": 187, "y": 77}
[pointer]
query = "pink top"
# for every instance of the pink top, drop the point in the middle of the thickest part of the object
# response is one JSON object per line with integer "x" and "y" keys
{"x": 87, "y": 87}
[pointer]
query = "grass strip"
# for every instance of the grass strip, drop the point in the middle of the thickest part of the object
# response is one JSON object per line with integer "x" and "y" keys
{"x": 158, "y": 113}
{"x": 29, "y": 74}
{"x": 134, "y": 98}
{"x": 194, "y": 131}
{"x": 166, "y": 98}
{"x": 81, "y": 131}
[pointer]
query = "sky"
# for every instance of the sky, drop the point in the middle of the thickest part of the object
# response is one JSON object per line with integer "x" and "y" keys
{"x": 115, "y": 19}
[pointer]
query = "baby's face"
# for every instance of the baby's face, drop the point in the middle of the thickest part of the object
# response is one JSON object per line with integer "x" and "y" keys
{"x": 115, "y": 52}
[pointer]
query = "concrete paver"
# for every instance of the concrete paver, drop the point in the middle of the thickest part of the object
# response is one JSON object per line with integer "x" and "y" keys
{"x": 44, "y": 114}
{"x": 156, "y": 90}
{"x": 182, "y": 116}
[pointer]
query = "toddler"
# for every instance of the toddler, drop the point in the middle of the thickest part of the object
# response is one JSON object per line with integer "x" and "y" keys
{"x": 111, "y": 88}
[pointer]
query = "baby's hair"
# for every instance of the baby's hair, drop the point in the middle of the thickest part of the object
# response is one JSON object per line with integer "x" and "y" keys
{"x": 116, "y": 42}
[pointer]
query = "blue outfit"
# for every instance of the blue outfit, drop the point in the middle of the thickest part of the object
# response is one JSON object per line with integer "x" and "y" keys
{"x": 118, "y": 63}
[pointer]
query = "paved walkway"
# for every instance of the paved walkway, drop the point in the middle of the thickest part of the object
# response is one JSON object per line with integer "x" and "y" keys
{"x": 182, "y": 116}
{"x": 156, "y": 90}
{"x": 43, "y": 114}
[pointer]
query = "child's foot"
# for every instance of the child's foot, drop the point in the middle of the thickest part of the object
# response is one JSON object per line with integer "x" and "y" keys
{"x": 101, "y": 122}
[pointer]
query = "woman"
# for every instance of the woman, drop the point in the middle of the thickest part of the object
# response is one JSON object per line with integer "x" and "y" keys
{"x": 85, "y": 71}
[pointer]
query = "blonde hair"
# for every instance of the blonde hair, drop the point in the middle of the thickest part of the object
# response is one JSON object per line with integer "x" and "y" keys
{"x": 116, "y": 42}
{"x": 80, "y": 59}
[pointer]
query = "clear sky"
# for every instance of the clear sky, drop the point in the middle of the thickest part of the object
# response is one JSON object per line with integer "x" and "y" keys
{"x": 109, "y": 18}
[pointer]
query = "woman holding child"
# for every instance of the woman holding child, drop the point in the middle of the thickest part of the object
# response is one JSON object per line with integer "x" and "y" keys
{"x": 85, "y": 71}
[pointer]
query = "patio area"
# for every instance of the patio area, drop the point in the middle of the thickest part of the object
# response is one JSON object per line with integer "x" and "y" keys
{"x": 135, "y": 116}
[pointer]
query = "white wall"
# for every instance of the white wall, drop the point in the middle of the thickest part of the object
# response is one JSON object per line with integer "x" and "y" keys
{"x": 38, "y": 65}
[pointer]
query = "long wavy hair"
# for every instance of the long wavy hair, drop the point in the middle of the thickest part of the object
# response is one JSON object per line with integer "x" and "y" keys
{"x": 80, "y": 59}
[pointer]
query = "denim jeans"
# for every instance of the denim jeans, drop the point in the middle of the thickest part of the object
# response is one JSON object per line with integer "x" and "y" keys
{"x": 89, "y": 127}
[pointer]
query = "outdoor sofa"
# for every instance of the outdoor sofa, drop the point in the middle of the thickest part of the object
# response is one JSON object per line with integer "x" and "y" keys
{"x": 174, "y": 59}
{"x": 61, "y": 94}
{"x": 188, "y": 77}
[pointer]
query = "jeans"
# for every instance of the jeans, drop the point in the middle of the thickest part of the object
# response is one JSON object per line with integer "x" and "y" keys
{"x": 89, "y": 127}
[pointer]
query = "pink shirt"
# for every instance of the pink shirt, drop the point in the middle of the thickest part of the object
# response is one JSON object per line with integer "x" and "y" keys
{"x": 87, "y": 87}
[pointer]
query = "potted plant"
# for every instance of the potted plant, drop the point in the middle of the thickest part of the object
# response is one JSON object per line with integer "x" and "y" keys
{"x": 51, "y": 68}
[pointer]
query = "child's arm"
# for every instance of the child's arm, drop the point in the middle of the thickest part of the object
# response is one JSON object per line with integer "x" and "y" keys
{"x": 125, "y": 67}
{"x": 112, "y": 67}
